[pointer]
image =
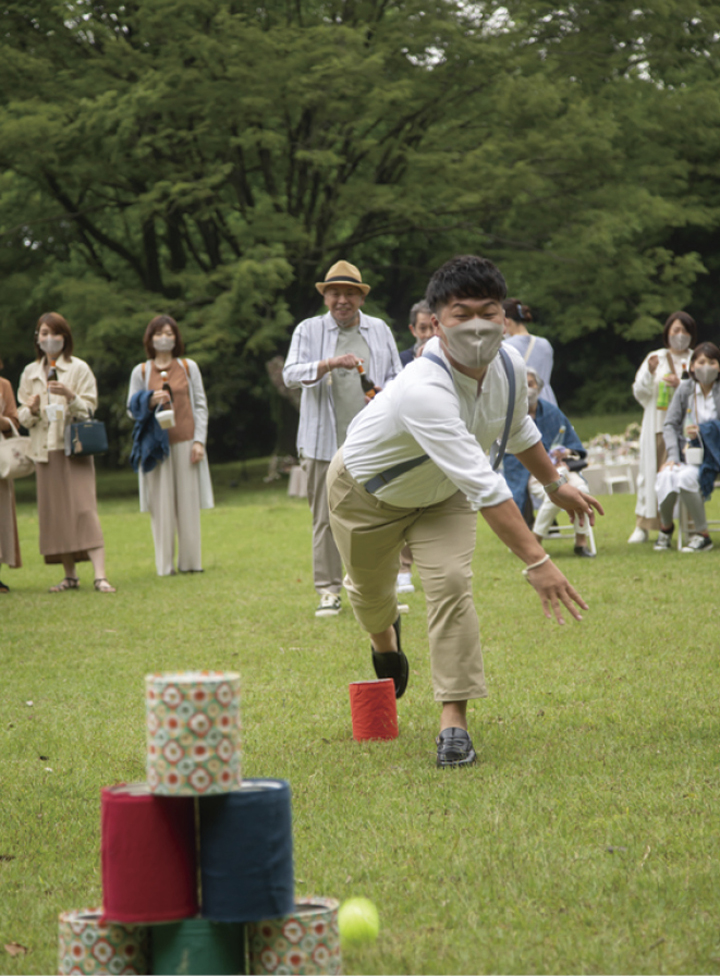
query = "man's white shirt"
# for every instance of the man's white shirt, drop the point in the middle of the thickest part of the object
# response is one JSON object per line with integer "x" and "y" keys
{"x": 426, "y": 410}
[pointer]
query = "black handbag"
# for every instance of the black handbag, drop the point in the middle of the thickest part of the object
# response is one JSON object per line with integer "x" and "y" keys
{"x": 85, "y": 437}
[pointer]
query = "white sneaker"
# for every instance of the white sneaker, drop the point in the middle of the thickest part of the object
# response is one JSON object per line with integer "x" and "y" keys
{"x": 664, "y": 541}
{"x": 330, "y": 605}
{"x": 698, "y": 543}
{"x": 638, "y": 535}
{"x": 405, "y": 583}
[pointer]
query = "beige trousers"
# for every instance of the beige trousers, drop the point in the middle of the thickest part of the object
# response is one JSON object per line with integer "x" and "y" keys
{"x": 327, "y": 565}
{"x": 174, "y": 502}
{"x": 406, "y": 559}
{"x": 370, "y": 535}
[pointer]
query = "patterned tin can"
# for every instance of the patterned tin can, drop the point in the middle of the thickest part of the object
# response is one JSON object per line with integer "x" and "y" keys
{"x": 193, "y": 732}
{"x": 304, "y": 943}
{"x": 86, "y": 947}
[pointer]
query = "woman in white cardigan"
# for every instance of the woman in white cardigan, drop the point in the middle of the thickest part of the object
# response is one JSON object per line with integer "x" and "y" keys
{"x": 654, "y": 386}
{"x": 179, "y": 486}
{"x": 54, "y": 390}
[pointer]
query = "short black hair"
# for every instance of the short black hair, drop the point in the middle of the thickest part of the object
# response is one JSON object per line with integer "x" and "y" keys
{"x": 465, "y": 276}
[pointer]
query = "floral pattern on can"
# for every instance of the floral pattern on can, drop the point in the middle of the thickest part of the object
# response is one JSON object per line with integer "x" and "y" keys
{"x": 193, "y": 732}
{"x": 86, "y": 947}
{"x": 304, "y": 943}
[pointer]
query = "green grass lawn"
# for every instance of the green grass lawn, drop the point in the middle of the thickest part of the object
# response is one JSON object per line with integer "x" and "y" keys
{"x": 586, "y": 839}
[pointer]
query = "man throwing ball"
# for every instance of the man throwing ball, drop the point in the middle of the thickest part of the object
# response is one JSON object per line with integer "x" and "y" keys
{"x": 414, "y": 469}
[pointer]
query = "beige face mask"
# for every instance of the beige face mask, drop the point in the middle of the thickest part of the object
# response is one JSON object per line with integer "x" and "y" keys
{"x": 474, "y": 343}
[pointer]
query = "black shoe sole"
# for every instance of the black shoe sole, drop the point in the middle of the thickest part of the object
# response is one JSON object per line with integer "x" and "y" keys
{"x": 469, "y": 760}
{"x": 462, "y": 754}
{"x": 393, "y": 665}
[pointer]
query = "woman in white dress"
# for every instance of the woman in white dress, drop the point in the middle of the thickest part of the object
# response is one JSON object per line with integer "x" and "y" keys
{"x": 655, "y": 382}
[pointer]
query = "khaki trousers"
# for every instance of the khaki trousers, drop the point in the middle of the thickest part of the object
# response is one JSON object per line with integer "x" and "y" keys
{"x": 406, "y": 559}
{"x": 327, "y": 565}
{"x": 370, "y": 535}
{"x": 174, "y": 502}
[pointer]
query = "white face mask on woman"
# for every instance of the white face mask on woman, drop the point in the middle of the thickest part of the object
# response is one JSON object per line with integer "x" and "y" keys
{"x": 474, "y": 343}
{"x": 163, "y": 343}
{"x": 679, "y": 342}
{"x": 52, "y": 346}
{"x": 706, "y": 374}
{"x": 533, "y": 394}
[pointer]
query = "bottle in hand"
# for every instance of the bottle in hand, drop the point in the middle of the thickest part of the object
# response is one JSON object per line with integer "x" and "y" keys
{"x": 366, "y": 383}
{"x": 52, "y": 372}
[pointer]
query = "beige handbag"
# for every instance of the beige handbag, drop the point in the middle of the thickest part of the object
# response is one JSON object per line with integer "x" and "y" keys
{"x": 15, "y": 461}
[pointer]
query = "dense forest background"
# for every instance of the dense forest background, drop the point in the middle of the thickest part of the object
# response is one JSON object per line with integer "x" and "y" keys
{"x": 211, "y": 159}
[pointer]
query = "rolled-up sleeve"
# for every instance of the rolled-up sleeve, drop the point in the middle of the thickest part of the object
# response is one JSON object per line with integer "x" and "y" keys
{"x": 301, "y": 366}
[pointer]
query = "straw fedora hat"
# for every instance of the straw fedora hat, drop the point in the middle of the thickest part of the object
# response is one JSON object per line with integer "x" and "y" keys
{"x": 343, "y": 273}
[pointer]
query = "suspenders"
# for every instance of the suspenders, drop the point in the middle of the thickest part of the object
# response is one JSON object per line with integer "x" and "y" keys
{"x": 497, "y": 452}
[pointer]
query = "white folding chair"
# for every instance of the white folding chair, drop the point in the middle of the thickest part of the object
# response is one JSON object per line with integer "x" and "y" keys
{"x": 615, "y": 478}
{"x": 569, "y": 531}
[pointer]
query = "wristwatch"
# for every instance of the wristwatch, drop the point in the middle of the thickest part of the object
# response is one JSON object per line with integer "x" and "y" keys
{"x": 554, "y": 485}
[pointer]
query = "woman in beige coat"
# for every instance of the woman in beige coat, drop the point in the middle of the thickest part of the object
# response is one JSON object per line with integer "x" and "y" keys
{"x": 67, "y": 504}
{"x": 9, "y": 542}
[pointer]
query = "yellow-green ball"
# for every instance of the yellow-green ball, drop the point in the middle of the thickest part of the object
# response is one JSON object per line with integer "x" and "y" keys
{"x": 358, "y": 921}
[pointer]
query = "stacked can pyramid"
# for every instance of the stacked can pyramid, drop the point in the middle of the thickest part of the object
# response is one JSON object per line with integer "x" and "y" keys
{"x": 197, "y": 863}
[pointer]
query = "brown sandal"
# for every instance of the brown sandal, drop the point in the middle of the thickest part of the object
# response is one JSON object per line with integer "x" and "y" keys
{"x": 103, "y": 586}
{"x": 69, "y": 583}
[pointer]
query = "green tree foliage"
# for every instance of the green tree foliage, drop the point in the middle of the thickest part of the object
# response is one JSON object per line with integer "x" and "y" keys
{"x": 211, "y": 159}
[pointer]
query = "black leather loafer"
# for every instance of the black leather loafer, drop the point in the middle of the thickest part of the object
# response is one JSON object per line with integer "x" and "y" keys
{"x": 393, "y": 664}
{"x": 454, "y": 748}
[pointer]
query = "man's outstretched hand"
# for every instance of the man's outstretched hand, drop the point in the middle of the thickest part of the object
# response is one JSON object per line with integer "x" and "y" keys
{"x": 555, "y": 590}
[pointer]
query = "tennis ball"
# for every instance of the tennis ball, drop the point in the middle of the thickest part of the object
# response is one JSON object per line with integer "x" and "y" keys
{"x": 358, "y": 921}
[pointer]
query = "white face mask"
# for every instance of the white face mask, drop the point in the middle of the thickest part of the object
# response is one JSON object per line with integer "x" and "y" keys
{"x": 533, "y": 394}
{"x": 679, "y": 342}
{"x": 474, "y": 343}
{"x": 164, "y": 343}
{"x": 706, "y": 374}
{"x": 52, "y": 346}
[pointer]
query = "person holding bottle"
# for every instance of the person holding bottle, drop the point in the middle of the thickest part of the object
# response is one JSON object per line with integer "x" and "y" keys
{"x": 9, "y": 542}
{"x": 325, "y": 351}
{"x": 695, "y": 404}
{"x": 177, "y": 488}
{"x": 67, "y": 501}
{"x": 655, "y": 383}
